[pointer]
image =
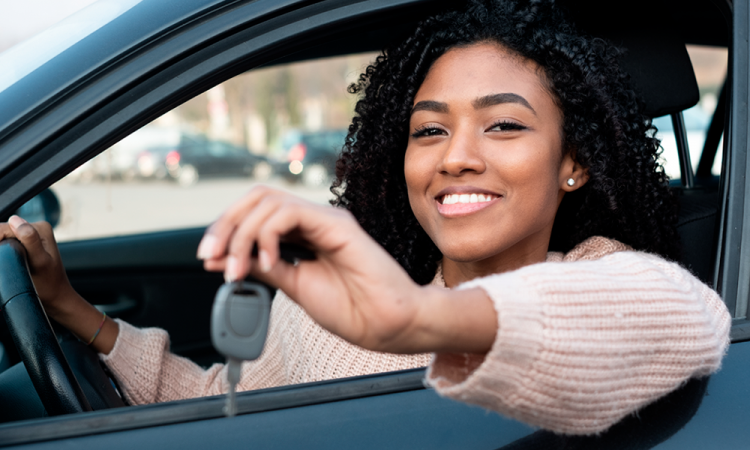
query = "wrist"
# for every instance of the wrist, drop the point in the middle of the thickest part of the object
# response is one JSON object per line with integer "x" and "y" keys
{"x": 66, "y": 304}
{"x": 458, "y": 321}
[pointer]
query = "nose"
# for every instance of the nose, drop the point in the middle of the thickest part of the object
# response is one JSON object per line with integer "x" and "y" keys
{"x": 462, "y": 154}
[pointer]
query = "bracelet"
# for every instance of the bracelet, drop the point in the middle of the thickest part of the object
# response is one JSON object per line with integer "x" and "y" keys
{"x": 104, "y": 318}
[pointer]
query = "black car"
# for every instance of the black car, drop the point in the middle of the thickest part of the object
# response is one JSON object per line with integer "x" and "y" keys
{"x": 197, "y": 157}
{"x": 311, "y": 156}
{"x": 155, "y": 55}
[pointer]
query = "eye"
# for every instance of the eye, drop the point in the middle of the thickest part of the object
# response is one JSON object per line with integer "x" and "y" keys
{"x": 426, "y": 131}
{"x": 506, "y": 125}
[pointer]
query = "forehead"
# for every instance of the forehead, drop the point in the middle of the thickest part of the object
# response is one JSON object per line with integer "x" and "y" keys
{"x": 480, "y": 69}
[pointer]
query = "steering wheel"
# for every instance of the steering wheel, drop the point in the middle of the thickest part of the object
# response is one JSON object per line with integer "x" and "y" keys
{"x": 50, "y": 373}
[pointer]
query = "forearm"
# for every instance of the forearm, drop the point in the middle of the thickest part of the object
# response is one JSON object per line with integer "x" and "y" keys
{"x": 581, "y": 345}
{"x": 83, "y": 320}
{"x": 458, "y": 321}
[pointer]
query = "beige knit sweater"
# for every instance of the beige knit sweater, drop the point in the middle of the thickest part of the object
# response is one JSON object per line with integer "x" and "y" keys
{"x": 584, "y": 339}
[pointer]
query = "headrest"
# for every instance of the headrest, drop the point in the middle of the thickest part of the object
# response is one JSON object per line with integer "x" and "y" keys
{"x": 660, "y": 69}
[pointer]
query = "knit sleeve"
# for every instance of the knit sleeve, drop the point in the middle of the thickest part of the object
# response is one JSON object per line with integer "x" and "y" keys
{"x": 148, "y": 372}
{"x": 580, "y": 345}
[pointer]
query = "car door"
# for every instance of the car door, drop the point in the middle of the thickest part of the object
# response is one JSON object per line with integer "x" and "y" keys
{"x": 154, "y": 278}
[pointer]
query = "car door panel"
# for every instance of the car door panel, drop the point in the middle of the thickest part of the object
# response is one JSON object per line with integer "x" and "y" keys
{"x": 394, "y": 411}
{"x": 154, "y": 279}
{"x": 371, "y": 412}
{"x": 409, "y": 420}
{"x": 724, "y": 409}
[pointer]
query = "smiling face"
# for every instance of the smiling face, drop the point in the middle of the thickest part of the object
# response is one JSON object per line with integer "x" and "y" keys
{"x": 484, "y": 166}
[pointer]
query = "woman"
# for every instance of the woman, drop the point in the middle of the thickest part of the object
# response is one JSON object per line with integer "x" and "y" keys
{"x": 488, "y": 143}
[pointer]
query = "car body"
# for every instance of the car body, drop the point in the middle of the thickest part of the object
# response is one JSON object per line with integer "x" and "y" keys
{"x": 159, "y": 153}
{"x": 310, "y": 157}
{"x": 198, "y": 157}
{"x": 119, "y": 77}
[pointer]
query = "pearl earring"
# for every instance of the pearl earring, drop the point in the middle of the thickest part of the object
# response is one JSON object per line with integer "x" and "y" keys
{"x": 571, "y": 182}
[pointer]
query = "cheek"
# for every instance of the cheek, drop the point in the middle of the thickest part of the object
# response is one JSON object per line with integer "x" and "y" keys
{"x": 533, "y": 173}
{"x": 419, "y": 170}
{"x": 417, "y": 174}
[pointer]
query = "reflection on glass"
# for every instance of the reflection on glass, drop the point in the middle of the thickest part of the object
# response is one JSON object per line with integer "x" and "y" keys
{"x": 24, "y": 58}
{"x": 283, "y": 126}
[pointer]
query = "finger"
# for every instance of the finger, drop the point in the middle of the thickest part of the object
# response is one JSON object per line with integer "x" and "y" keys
{"x": 244, "y": 237}
{"x": 30, "y": 239}
{"x": 280, "y": 223}
{"x": 281, "y": 276}
{"x": 6, "y": 232}
{"x": 215, "y": 265}
{"x": 216, "y": 239}
{"x": 47, "y": 237}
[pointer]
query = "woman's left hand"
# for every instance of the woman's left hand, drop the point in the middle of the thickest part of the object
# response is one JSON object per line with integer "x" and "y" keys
{"x": 354, "y": 288}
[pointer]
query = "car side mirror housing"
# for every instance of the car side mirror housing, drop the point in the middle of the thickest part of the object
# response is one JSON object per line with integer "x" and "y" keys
{"x": 44, "y": 206}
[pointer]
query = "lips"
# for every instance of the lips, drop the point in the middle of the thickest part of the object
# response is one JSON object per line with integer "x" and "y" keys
{"x": 461, "y": 201}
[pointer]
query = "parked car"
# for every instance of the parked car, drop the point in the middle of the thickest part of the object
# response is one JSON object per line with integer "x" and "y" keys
{"x": 130, "y": 158}
{"x": 311, "y": 156}
{"x": 145, "y": 57}
{"x": 197, "y": 157}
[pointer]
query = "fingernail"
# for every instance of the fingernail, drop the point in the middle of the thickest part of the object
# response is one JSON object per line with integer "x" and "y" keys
{"x": 230, "y": 272}
{"x": 16, "y": 221}
{"x": 207, "y": 247}
{"x": 265, "y": 261}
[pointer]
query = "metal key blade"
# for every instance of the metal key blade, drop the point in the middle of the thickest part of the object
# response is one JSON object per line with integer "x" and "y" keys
{"x": 234, "y": 367}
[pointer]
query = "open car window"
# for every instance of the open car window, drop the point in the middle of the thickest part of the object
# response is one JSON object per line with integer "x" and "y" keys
{"x": 282, "y": 125}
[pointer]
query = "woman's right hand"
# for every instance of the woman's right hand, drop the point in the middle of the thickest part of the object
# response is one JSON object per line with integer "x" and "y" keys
{"x": 45, "y": 266}
{"x": 60, "y": 300}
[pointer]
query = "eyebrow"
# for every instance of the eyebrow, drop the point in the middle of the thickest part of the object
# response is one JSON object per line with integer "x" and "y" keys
{"x": 496, "y": 99}
{"x": 480, "y": 103}
{"x": 430, "y": 105}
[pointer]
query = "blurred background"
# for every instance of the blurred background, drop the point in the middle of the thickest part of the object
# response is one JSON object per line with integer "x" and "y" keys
{"x": 282, "y": 125}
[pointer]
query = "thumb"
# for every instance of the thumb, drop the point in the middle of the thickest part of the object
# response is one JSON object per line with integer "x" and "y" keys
{"x": 30, "y": 239}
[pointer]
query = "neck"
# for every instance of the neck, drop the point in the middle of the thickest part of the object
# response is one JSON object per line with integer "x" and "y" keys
{"x": 521, "y": 254}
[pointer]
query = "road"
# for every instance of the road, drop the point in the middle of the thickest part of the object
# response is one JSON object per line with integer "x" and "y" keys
{"x": 111, "y": 208}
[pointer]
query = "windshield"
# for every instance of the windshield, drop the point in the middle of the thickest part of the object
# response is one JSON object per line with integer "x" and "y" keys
{"x": 24, "y": 58}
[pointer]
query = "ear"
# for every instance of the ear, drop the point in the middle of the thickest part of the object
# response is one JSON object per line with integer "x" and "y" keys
{"x": 570, "y": 169}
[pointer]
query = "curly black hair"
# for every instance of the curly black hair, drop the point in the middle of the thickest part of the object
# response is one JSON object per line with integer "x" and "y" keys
{"x": 627, "y": 196}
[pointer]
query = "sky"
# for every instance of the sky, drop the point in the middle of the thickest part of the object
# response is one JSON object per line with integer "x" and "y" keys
{"x": 22, "y": 19}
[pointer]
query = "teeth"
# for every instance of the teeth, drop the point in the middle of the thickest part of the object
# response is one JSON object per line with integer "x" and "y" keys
{"x": 452, "y": 199}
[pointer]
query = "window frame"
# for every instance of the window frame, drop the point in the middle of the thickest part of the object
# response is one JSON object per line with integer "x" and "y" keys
{"x": 732, "y": 278}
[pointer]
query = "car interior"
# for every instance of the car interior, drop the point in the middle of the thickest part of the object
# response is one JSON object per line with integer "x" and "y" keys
{"x": 153, "y": 279}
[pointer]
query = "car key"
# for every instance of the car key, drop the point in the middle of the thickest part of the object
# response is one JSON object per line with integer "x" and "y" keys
{"x": 239, "y": 324}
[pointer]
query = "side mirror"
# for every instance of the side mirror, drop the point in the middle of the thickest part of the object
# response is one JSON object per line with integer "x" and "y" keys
{"x": 44, "y": 206}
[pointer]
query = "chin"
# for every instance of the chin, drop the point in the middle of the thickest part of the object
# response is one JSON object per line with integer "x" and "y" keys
{"x": 466, "y": 253}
